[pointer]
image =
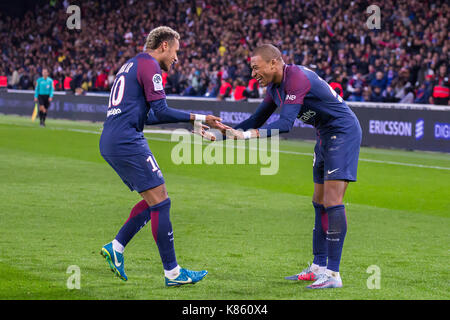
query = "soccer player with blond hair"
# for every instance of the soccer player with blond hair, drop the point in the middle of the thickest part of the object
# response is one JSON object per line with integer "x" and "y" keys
{"x": 137, "y": 98}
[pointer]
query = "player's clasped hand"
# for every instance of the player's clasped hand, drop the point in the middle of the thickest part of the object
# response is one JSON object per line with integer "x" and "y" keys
{"x": 203, "y": 130}
{"x": 212, "y": 122}
{"x": 235, "y": 134}
{"x": 215, "y": 123}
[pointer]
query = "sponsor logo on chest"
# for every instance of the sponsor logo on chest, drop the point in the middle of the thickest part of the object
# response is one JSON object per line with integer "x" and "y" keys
{"x": 305, "y": 116}
{"x": 290, "y": 97}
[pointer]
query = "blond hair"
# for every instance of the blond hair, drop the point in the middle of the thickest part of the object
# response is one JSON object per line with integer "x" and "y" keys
{"x": 159, "y": 35}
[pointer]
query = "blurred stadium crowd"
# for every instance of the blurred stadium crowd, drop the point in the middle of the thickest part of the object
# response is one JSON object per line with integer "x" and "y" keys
{"x": 406, "y": 60}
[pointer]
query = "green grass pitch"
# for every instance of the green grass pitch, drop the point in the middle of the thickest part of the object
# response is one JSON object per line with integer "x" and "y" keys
{"x": 60, "y": 203}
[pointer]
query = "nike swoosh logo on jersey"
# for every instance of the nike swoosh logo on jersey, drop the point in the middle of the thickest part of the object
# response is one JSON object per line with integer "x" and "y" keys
{"x": 330, "y": 172}
{"x": 115, "y": 260}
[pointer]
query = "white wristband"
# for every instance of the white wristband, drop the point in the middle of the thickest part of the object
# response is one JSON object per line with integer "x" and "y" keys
{"x": 247, "y": 135}
{"x": 200, "y": 117}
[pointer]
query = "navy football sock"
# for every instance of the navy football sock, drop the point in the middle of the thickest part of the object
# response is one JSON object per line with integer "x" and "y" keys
{"x": 337, "y": 229}
{"x": 320, "y": 250}
{"x": 163, "y": 233}
{"x": 139, "y": 216}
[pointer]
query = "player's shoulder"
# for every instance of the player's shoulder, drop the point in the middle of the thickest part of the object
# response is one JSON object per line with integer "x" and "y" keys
{"x": 296, "y": 71}
{"x": 296, "y": 78}
{"x": 146, "y": 61}
{"x": 149, "y": 72}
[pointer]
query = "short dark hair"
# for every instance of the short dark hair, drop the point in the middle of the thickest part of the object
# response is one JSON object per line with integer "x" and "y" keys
{"x": 159, "y": 35}
{"x": 267, "y": 52}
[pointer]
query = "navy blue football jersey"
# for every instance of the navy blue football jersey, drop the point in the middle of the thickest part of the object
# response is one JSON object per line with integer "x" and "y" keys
{"x": 137, "y": 83}
{"x": 321, "y": 106}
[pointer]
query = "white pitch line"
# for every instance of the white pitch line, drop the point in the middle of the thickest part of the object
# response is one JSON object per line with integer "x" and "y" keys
{"x": 381, "y": 161}
{"x": 405, "y": 164}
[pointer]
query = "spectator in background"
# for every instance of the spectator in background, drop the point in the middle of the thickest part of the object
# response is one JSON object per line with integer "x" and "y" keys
{"x": 164, "y": 79}
{"x": 337, "y": 87}
{"x": 67, "y": 81}
{"x": 173, "y": 82}
{"x": 239, "y": 92}
{"x": 328, "y": 76}
{"x": 423, "y": 92}
{"x": 338, "y": 83}
{"x": 371, "y": 75}
{"x": 225, "y": 89}
{"x": 211, "y": 91}
{"x": 379, "y": 81}
{"x": 218, "y": 37}
{"x": 389, "y": 95}
{"x": 441, "y": 87}
{"x": 86, "y": 83}
{"x": 222, "y": 49}
{"x": 5, "y": 74}
{"x": 194, "y": 80}
{"x": 356, "y": 87}
{"x": 111, "y": 77}
{"x": 252, "y": 88}
{"x": 365, "y": 97}
{"x": 101, "y": 82}
{"x": 3, "y": 80}
{"x": 401, "y": 84}
{"x": 203, "y": 83}
{"x": 354, "y": 70}
{"x": 15, "y": 79}
{"x": 391, "y": 75}
{"x": 56, "y": 84}
{"x": 376, "y": 95}
{"x": 25, "y": 81}
{"x": 409, "y": 95}
{"x": 77, "y": 80}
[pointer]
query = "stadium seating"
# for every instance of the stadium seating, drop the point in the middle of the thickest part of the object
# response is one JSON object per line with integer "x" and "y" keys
{"x": 400, "y": 62}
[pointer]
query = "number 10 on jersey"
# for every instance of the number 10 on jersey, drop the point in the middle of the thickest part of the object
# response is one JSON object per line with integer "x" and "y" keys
{"x": 117, "y": 90}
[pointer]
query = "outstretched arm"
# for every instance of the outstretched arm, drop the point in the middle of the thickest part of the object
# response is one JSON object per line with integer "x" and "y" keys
{"x": 256, "y": 120}
{"x": 149, "y": 77}
{"x": 262, "y": 113}
{"x": 283, "y": 125}
{"x": 161, "y": 113}
{"x": 297, "y": 86}
{"x": 152, "y": 119}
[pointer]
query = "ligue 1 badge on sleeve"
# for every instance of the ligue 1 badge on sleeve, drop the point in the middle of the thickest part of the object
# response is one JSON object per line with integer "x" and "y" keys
{"x": 157, "y": 82}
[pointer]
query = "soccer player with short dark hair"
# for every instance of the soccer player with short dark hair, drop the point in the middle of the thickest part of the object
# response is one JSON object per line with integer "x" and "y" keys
{"x": 137, "y": 98}
{"x": 44, "y": 95}
{"x": 301, "y": 93}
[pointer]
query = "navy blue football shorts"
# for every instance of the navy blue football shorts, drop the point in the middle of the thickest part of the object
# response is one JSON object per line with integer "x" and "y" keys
{"x": 336, "y": 155}
{"x": 139, "y": 172}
